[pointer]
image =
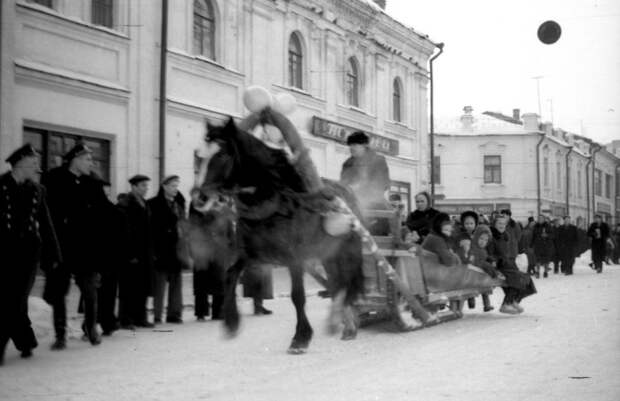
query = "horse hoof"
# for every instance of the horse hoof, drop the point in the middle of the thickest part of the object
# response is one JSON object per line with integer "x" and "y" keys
{"x": 296, "y": 351}
{"x": 348, "y": 336}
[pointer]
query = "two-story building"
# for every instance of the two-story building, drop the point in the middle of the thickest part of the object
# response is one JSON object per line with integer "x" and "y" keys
{"x": 491, "y": 161}
{"x": 92, "y": 71}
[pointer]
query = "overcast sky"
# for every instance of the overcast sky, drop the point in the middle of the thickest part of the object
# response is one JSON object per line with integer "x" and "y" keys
{"x": 492, "y": 53}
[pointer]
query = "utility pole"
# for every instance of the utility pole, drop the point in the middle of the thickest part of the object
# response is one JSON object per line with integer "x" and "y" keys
{"x": 538, "y": 78}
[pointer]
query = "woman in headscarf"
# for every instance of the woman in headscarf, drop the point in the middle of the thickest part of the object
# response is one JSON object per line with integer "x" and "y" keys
{"x": 420, "y": 220}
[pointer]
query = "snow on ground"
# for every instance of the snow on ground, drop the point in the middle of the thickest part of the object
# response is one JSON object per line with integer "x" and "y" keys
{"x": 566, "y": 346}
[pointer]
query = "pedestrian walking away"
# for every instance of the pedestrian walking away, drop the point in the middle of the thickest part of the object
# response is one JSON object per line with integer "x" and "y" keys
{"x": 542, "y": 242}
{"x": 567, "y": 241}
{"x": 599, "y": 235}
{"x": 27, "y": 236}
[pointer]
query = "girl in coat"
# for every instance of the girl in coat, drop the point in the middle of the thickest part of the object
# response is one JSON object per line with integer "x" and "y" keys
{"x": 518, "y": 285}
{"x": 480, "y": 258}
{"x": 438, "y": 241}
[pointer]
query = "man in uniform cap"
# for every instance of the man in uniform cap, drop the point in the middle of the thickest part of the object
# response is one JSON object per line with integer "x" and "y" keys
{"x": 78, "y": 208}
{"x": 137, "y": 280}
{"x": 26, "y": 232}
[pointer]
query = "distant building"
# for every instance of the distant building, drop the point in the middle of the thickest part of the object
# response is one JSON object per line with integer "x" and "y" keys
{"x": 90, "y": 71}
{"x": 491, "y": 161}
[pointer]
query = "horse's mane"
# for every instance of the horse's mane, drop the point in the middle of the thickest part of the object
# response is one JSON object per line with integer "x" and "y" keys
{"x": 254, "y": 163}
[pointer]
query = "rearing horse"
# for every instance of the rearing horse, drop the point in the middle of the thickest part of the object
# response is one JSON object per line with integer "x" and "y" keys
{"x": 278, "y": 221}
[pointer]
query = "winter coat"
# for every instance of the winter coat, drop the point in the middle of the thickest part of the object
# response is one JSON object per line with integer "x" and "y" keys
{"x": 481, "y": 257}
{"x": 526, "y": 245}
{"x": 368, "y": 176}
{"x": 599, "y": 234}
{"x": 542, "y": 242}
{"x": 514, "y": 231}
{"x": 498, "y": 249}
{"x": 421, "y": 222}
{"x": 566, "y": 241}
{"x": 79, "y": 211}
{"x": 438, "y": 244}
{"x": 140, "y": 244}
{"x": 165, "y": 218}
{"x": 27, "y": 233}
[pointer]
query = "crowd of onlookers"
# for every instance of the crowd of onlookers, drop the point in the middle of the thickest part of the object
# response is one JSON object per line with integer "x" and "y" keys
{"x": 120, "y": 253}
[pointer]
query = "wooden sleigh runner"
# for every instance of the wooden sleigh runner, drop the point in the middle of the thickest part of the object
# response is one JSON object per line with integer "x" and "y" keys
{"x": 419, "y": 292}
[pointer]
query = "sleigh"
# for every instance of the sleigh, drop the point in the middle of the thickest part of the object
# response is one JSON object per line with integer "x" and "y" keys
{"x": 440, "y": 290}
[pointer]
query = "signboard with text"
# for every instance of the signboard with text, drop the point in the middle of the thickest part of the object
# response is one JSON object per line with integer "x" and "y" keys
{"x": 339, "y": 133}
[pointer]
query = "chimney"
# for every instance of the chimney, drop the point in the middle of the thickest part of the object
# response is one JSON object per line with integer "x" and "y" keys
{"x": 548, "y": 128}
{"x": 516, "y": 114}
{"x": 467, "y": 119}
{"x": 530, "y": 122}
{"x": 380, "y": 3}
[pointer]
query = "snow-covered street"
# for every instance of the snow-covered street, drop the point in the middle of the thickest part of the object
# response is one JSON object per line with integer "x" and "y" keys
{"x": 566, "y": 346}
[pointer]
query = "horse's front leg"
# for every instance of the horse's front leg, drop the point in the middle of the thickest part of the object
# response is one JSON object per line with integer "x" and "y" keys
{"x": 231, "y": 313}
{"x": 303, "y": 331}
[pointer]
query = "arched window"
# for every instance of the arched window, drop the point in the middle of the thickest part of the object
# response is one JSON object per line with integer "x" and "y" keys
{"x": 295, "y": 62}
{"x": 396, "y": 101}
{"x": 352, "y": 82}
{"x": 204, "y": 28}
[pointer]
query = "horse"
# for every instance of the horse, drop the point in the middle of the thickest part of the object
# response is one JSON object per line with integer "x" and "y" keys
{"x": 278, "y": 222}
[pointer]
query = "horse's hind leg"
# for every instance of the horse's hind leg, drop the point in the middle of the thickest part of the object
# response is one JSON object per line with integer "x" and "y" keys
{"x": 350, "y": 324}
{"x": 303, "y": 331}
{"x": 229, "y": 307}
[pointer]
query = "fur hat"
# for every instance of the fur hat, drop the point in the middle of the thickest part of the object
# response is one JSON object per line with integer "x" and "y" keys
{"x": 440, "y": 220}
{"x": 358, "y": 138}
{"x": 469, "y": 213}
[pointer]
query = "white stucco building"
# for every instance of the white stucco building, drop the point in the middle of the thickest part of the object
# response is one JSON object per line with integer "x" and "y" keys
{"x": 490, "y": 161}
{"x": 90, "y": 70}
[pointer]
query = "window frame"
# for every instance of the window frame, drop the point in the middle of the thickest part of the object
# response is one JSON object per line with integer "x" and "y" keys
{"x": 103, "y": 9}
{"x": 42, "y": 3}
{"x": 295, "y": 62}
{"x": 352, "y": 82}
{"x": 597, "y": 182}
{"x": 51, "y": 157}
{"x": 495, "y": 170}
{"x": 397, "y": 100}
{"x": 204, "y": 26}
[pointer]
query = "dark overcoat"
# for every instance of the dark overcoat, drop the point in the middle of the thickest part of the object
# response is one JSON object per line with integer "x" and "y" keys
{"x": 567, "y": 241}
{"x": 542, "y": 242}
{"x": 80, "y": 213}
{"x": 368, "y": 176}
{"x": 421, "y": 222}
{"x": 438, "y": 244}
{"x": 599, "y": 234}
{"x": 165, "y": 218}
{"x": 27, "y": 236}
{"x": 140, "y": 239}
{"x": 498, "y": 249}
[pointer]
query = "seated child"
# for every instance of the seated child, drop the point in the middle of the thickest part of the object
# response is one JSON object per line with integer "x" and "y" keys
{"x": 480, "y": 258}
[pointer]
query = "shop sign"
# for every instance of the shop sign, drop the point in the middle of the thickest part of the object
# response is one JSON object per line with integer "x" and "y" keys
{"x": 339, "y": 133}
{"x": 603, "y": 207}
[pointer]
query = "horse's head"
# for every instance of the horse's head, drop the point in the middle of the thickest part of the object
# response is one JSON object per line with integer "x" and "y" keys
{"x": 217, "y": 159}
